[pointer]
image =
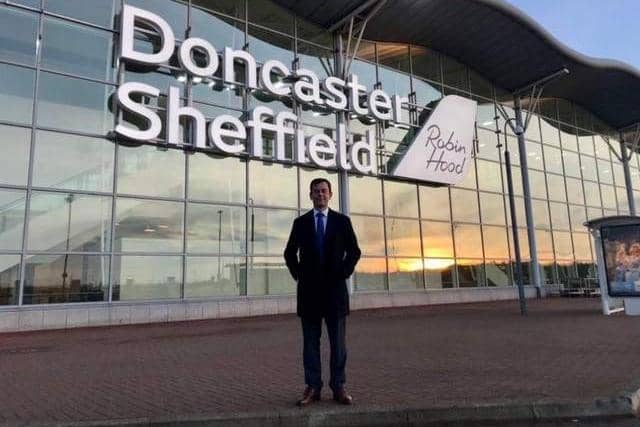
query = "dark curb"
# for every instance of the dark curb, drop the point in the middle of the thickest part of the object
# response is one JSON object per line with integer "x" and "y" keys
{"x": 624, "y": 406}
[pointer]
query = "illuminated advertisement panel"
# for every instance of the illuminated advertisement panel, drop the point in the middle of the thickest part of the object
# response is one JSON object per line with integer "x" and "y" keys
{"x": 621, "y": 248}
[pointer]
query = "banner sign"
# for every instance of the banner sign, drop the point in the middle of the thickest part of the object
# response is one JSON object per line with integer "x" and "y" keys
{"x": 440, "y": 153}
{"x": 621, "y": 248}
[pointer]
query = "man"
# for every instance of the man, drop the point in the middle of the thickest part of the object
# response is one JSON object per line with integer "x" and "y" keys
{"x": 321, "y": 254}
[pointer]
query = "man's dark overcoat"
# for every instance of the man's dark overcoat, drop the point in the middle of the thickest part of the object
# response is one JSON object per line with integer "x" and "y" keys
{"x": 322, "y": 286}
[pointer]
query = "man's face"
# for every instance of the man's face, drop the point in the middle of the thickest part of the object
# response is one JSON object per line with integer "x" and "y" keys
{"x": 320, "y": 195}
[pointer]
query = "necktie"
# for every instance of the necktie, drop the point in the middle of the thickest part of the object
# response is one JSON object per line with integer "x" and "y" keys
{"x": 320, "y": 232}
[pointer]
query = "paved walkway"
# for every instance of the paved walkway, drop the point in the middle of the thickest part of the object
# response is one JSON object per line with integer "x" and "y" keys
{"x": 419, "y": 358}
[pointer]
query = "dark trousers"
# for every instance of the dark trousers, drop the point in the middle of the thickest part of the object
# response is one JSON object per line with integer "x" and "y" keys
{"x": 312, "y": 331}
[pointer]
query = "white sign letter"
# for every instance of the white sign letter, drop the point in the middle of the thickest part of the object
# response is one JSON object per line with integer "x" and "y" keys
{"x": 127, "y": 50}
{"x": 124, "y": 100}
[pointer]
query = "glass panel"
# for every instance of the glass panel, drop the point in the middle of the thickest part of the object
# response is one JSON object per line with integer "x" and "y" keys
{"x": 523, "y": 241}
{"x": 544, "y": 245}
{"x": 99, "y": 12}
{"x": 454, "y": 73}
{"x": 151, "y": 171}
{"x": 498, "y": 272}
{"x": 604, "y": 171}
{"x": 173, "y": 12}
{"x": 9, "y": 279}
{"x": 571, "y": 163}
{"x": 269, "y": 14}
{"x": 215, "y": 276}
{"x": 464, "y": 204}
{"x": 370, "y": 234}
{"x": 217, "y": 229}
{"x": 16, "y": 94}
{"x": 265, "y": 45}
{"x": 438, "y": 273}
{"x": 271, "y": 231}
{"x": 14, "y": 163}
{"x": 521, "y": 218}
{"x": 69, "y": 222}
{"x": 601, "y": 147}
{"x": 489, "y": 176}
{"x": 568, "y": 137}
{"x": 403, "y": 237}
{"x": 623, "y": 202}
{"x": 487, "y": 143}
{"x": 469, "y": 180}
{"x": 553, "y": 159}
{"x": 73, "y": 104}
{"x": 73, "y": 162}
{"x": 365, "y": 194}
{"x": 575, "y": 192}
{"x": 426, "y": 63}
{"x": 18, "y": 36}
{"x": 233, "y": 8}
{"x": 550, "y": 133}
{"x": 269, "y": 276}
{"x": 562, "y": 244}
{"x": 618, "y": 173}
{"x": 533, "y": 130}
{"x": 272, "y": 184}
{"x": 592, "y": 193}
{"x": 405, "y": 274}
{"x": 307, "y": 175}
{"x": 582, "y": 247}
{"x": 76, "y": 49}
{"x": 436, "y": 239}
{"x": 578, "y": 217}
{"x": 215, "y": 178}
{"x": 559, "y": 216}
{"x": 516, "y": 180}
{"x": 470, "y": 273}
{"x": 468, "y": 241}
{"x": 426, "y": 92}
{"x": 588, "y": 167}
{"x": 540, "y": 214}
{"x": 534, "y": 156}
{"x": 370, "y": 275}
{"x": 434, "y": 202}
{"x": 555, "y": 184}
{"x": 492, "y": 208}
{"x": 394, "y": 82}
{"x": 52, "y": 279}
{"x": 148, "y": 225}
{"x": 585, "y": 144}
{"x": 537, "y": 184}
{"x": 146, "y": 277}
{"x": 12, "y": 206}
{"x": 495, "y": 242}
{"x": 608, "y": 197}
{"x": 401, "y": 199}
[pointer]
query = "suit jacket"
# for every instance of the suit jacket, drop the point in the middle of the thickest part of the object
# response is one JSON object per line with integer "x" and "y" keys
{"x": 322, "y": 285}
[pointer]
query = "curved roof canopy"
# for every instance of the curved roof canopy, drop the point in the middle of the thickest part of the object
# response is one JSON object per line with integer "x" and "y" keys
{"x": 498, "y": 41}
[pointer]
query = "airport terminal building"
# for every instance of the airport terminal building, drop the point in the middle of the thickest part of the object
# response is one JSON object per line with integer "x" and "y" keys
{"x": 156, "y": 152}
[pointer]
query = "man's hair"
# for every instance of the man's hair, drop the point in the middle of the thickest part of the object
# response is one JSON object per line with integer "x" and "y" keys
{"x": 317, "y": 181}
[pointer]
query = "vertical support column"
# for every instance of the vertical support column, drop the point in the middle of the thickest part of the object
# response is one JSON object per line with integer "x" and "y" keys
{"x": 343, "y": 178}
{"x": 627, "y": 177}
{"x": 526, "y": 189}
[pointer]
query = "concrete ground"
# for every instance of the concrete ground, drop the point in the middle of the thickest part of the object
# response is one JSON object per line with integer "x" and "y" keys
{"x": 463, "y": 364}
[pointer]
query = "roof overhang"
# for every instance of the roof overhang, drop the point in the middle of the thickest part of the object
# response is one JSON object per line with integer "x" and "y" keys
{"x": 498, "y": 41}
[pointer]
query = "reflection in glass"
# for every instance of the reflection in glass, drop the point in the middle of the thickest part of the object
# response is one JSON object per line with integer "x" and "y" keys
{"x": 470, "y": 273}
{"x": 370, "y": 275}
{"x": 605, "y": 171}
{"x": 521, "y": 218}
{"x": 434, "y": 202}
{"x": 588, "y": 167}
{"x": 272, "y": 184}
{"x": 370, "y": 234}
{"x": 559, "y": 216}
{"x": 555, "y": 184}
{"x": 175, "y": 13}
{"x": 578, "y": 217}
{"x": 540, "y": 214}
{"x": 553, "y": 159}
{"x": 405, "y": 274}
{"x": 608, "y": 197}
{"x": 215, "y": 276}
{"x": 269, "y": 14}
{"x": 18, "y": 37}
{"x": 534, "y": 156}
{"x": 571, "y": 163}
{"x": 454, "y": 73}
{"x": 69, "y": 222}
{"x": 495, "y": 242}
{"x": 592, "y": 193}
{"x": 16, "y": 94}
{"x": 582, "y": 247}
{"x": 215, "y": 229}
{"x": 73, "y": 162}
{"x": 401, "y": 199}
{"x": 14, "y": 162}
{"x": 523, "y": 239}
{"x": 228, "y": 7}
{"x": 50, "y": 279}
{"x": 216, "y": 178}
{"x": 464, "y": 204}
{"x": 426, "y": 92}
{"x": 468, "y": 241}
{"x": 271, "y": 230}
{"x": 489, "y": 176}
{"x": 12, "y": 206}
{"x": 487, "y": 143}
{"x": 150, "y": 171}
{"x": 498, "y": 272}
{"x": 148, "y": 225}
{"x": 365, "y": 194}
{"x": 403, "y": 237}
{"x": 544, "y": 245}
{"x": 436, "y": 239}
{"x": 265, "y": 45}
{"x": 438, "y": 273}
{"x": 9, "y": 279}
{"x": 146, "y": 277}
{"x": 76, "y": 49}
{"x": 594, "y": 213}
{"x": 99, "y": 12}
{"x": 550, "y": 133}
{"x": 537, "y": 184}
{"x": 74, "y": 104}
{"x": 575, "y": 193}
{"x": 269, "y": 276}
{"x": 562, "y": 245}
{"x": 492, "y": 208}
{"x": 469, "y": 180}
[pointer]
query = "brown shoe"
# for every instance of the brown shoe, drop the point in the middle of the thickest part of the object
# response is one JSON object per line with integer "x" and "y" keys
{"x": 342, "y": 397}
{"x": 309, "y": 396}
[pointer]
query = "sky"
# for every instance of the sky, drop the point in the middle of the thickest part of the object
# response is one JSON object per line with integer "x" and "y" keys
{"x": 599, "y": 28}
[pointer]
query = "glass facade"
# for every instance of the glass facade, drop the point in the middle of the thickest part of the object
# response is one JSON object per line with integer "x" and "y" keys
{"x": 87, "y": 217}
